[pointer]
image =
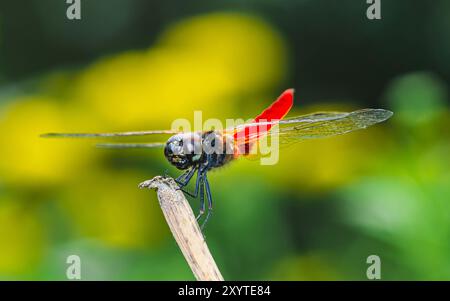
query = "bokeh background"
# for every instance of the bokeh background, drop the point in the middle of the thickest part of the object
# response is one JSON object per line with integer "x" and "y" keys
{"x": 138, "y": 64}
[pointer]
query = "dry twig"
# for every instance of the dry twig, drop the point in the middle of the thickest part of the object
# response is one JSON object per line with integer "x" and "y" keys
{"x": 184, "y": 227}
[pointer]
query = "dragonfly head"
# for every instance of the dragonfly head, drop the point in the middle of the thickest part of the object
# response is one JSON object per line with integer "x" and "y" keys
{"x": 183, "y": 150}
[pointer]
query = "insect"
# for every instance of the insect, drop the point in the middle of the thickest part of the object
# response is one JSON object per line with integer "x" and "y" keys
{"x": 200, "y": 152}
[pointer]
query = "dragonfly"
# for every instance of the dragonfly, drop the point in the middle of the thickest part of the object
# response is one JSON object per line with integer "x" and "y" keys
{"x": 202, "y": 151}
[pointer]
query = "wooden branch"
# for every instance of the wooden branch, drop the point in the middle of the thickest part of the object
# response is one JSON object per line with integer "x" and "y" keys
{"x": 184, "y": 227}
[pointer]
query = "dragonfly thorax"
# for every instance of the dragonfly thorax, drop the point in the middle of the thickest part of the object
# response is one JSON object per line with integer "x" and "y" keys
{"x": 186, "y": 150}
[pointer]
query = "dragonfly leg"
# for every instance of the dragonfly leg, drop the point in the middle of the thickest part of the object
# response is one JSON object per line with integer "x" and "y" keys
{"x": 202, "y": 197}
{"x": 210, "y": 204}
{"x": 180, "y": 177}
{"x": 197, "y": 185}
{"x": 201, "y": 187}
{"x": 184, "y": 179}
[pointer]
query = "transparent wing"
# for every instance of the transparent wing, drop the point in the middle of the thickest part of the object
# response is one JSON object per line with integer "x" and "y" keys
{"x": 321, "y": 125}
{"x": 316, "y": 125}
{"x": 130, "y": 145}
{"x": 101, "y": 135}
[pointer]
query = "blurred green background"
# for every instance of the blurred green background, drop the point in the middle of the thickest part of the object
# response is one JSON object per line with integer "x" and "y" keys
{"x": 137, "y": 64}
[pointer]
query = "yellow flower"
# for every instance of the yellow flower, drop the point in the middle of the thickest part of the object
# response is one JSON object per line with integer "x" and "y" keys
{"x": 26, "y": 158}
{"x": 251, "y": 52}
{"x": 202, "y": 63}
